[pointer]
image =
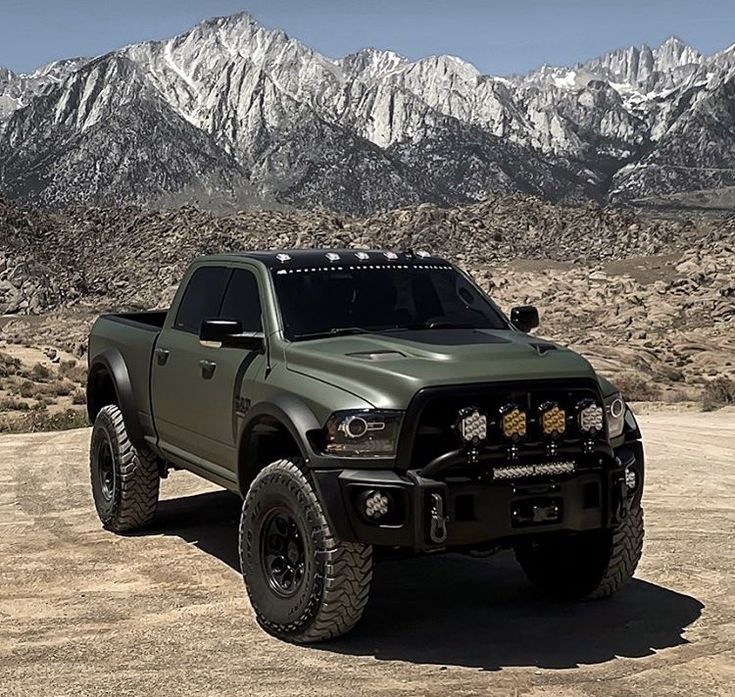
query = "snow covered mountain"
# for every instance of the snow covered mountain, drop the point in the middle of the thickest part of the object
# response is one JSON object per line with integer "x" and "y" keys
{"x": 232, "y": 112}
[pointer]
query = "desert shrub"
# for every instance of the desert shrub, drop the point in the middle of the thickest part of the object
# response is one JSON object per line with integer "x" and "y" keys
{"x": 61, "y": 388}
{"x": 40, "y": 373}
{"x": 718, "y": 393}
{"x": 71, "y": 370}
{"x": 634, "y": 388}
{"x": 13, "y": 404}
{"x": 42, "y": 420}
{"x": 27, "y": 389}
{"x": 79, "y": 397}
{"x": 8, "y": 365}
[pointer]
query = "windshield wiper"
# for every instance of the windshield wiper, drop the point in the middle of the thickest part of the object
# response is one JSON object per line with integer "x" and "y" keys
{"x": 449, "y": 325}
{"x": 336, "y": 331}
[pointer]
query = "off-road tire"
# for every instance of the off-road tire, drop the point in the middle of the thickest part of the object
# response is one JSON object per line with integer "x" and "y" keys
{"x": 130, "y": 501}
{"x": 335, "y": 582}
{"x": 586, "y": 566}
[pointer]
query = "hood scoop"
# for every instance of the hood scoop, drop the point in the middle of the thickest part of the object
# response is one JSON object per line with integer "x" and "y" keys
{"x": 377, "y": 355}
{"x": 542, "y": 347}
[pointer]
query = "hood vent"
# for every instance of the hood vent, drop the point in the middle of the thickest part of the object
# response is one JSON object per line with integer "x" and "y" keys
{"x": 542, "y": 347}
{"x": 377, "y": 355}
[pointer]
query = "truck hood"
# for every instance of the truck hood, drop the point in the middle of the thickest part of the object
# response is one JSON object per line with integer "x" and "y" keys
{"x": 387, "y": 369}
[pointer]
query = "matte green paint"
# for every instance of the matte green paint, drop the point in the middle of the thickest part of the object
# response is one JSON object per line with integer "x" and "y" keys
{"x": 196, "y": 420}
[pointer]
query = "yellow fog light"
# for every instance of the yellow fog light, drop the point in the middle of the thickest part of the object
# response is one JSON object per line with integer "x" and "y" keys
{"x": 553, "y": 420}
{"x": 513, "y": 422}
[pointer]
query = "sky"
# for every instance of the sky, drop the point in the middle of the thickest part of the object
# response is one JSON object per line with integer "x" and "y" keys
{"x": 499, "y": 36}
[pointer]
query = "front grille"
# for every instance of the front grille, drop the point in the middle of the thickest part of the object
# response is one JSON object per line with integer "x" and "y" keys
{"x": 433, "y": 414}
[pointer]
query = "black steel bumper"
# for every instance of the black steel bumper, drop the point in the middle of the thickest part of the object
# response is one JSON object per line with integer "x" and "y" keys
{"x": 478, "y": 514}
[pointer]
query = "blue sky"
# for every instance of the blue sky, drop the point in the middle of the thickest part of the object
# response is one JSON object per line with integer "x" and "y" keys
{"x": 500, "y": 37}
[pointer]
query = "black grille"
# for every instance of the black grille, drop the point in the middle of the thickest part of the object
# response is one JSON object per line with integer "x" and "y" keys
{"x": 432, "y": 416}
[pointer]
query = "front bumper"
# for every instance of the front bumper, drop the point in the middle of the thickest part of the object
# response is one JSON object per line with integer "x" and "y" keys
{"x": 477, "y": 514}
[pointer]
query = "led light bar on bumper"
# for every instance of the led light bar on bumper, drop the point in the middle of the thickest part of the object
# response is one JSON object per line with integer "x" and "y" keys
{"x": 363, "y": 433}
{"x": 544, "y": 469}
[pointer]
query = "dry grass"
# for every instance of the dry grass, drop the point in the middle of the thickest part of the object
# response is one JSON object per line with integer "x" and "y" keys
{"x": 73, "y": 371}
{"x": 636, "y": 389}
{"x": 719, "y": 392}
{"x": 40, "y": 419}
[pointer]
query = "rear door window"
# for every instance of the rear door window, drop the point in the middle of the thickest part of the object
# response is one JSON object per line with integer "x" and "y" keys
{"x": 202, "y": 297}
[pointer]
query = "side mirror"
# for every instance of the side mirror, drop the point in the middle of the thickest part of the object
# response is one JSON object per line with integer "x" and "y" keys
{"x": 227, "y": 333}
{"x": 524, "y": 317}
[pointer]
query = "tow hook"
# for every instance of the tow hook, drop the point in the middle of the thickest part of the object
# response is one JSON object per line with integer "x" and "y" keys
{"x": 438, "y": 524}
{"x": 621, "y": 510}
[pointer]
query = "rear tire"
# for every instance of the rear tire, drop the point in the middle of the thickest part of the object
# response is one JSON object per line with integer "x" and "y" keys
{"x": 304, "y": 584}
{"x": 125, "y": 479}
{"x": 589, "y": 565}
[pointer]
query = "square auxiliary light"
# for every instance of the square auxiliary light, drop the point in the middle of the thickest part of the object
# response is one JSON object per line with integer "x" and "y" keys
{"x": 472, "y": 425}
{"x": 553, "y": 420}
{"x": 513, "y": 422}
{"x": 590, "y": 417}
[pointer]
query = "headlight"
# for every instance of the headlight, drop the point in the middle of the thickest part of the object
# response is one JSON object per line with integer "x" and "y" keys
{"x": 364, "y": 433}
{"x": 615, "y": 412}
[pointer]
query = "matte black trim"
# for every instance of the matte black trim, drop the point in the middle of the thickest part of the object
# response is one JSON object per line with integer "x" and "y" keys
{"x": 113, "y": 362}
{"x": 492, "y": 503}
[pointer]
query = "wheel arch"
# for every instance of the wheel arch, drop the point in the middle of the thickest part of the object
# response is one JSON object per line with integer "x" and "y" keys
{"x": 274, "y": 429}
{"x": 108, "y": 382}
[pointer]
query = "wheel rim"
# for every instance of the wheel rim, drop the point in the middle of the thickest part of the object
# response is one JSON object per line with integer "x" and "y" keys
{"x": 106, "y": 469}
{"x": 282, "y": 553}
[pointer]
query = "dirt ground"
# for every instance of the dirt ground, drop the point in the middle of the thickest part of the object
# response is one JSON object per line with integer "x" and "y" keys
{"x": 85, "y": 612}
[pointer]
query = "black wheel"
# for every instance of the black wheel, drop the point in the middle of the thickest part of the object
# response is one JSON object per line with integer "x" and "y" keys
{"x": 588, "y": 565}
{"x": 125, "y": 479}
{"x": 304, "y": 584}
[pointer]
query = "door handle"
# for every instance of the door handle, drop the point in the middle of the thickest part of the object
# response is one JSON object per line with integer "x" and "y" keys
{"x": 207, "y": 369}
{"x": 162, "y": 356}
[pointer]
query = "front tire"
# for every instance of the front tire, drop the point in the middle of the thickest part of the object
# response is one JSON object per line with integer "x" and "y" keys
{"x": 304, "y": 584}
{"x": 125, "y": 479}
{"x": 586, "y": 566}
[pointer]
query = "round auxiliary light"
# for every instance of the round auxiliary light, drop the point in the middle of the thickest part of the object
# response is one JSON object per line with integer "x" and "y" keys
{"x": 590, "y": 417}
{"x": 616, "y": 408}
{"x": 355, "y": 427}
{"x": 553, "y": 420}
{"x": 376, "y": 504}
{"x": 513, "y": 422}
{"x": 472, "y": 425}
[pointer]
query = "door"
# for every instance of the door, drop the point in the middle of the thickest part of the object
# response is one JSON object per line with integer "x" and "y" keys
{"x": 195, "y": 388}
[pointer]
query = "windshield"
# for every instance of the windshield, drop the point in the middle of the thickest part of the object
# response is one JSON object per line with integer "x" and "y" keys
{"x": 362, "y": 298}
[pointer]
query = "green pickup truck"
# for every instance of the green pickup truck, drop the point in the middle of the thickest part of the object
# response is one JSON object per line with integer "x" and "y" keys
{"x": 363, "y": 400}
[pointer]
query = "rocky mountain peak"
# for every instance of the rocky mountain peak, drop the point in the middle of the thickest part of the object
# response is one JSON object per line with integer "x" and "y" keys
{"x": 369, "y": 130}
{"x": 370, "y": 63}
{"x": 675, "y": 53}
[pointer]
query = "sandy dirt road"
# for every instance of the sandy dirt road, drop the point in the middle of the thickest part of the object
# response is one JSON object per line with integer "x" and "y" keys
{"x": 84, "y": 612}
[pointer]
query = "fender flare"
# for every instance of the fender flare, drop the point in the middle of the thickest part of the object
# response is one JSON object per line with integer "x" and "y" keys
{"x": 290, "y": 412}
{"x": 113, "y": 362}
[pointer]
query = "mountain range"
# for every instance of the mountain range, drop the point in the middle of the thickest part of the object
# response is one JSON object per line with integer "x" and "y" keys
{"x": 232, "y": 113}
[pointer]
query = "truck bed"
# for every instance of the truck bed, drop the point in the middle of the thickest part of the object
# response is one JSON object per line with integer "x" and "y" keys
{"x": 152, "y": 320}
{"x": 132, "y": 336}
